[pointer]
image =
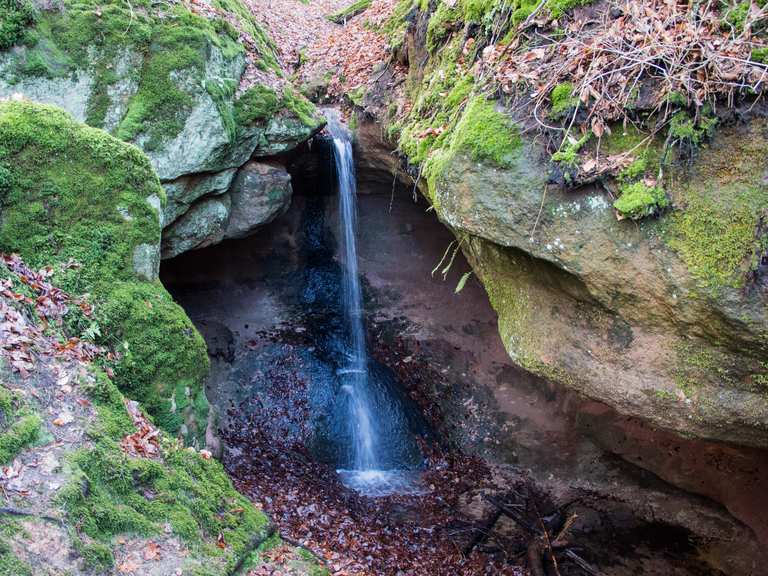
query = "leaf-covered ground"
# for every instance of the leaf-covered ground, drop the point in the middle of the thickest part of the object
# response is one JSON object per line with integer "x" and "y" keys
{"x": 88, "y": 484}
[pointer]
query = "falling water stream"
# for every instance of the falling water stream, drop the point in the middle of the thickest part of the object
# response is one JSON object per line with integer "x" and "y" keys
{"x": 367, "y": 474}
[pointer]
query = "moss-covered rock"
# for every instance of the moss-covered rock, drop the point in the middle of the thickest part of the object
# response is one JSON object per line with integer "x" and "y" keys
{"x": 191, "y": 495}
{"x": 15, "y": 17}
{"x": 89, "y": 205}
{"x": 74, "y": 192}
{"x": 162, "y": 77}
{"x": 95, "y": 507}
{"x": 609, "y": 306}
{"x": 164, "y": 358}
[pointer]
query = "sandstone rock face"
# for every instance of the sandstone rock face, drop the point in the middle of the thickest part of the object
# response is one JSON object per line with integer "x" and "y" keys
{"x": 184, "y": 191}
{"x": 664, "y": 319}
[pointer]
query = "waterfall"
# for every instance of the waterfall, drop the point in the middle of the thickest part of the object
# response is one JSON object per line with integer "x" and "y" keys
{"x": 363, "y": 432}
{"x": 368, "y": 455}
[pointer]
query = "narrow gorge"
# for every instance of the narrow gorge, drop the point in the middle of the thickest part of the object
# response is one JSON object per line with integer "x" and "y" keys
{"x": 389, "y": 287}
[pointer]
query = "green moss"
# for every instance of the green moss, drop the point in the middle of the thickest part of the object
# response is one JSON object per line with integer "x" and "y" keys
{"x": 10, "y": 564}
{"x": 96, "y": 556}
{"x": 716, "y": 229}
{"x": 635, "y": 170}
{"x": 7, "y": 405}
{"x": 111, "y": 493}
{"x": 256, "y": 104}
{"x": 163, "y": 359}
{"x": 486, "y": 134}
{"x": 637, "y": 200}
{"x": 15, "y": 17}
{"x": 170, "y": 39}
{"x": 716, "y": 242}
{"x": 357, "y": 95}
{"x": 622, "y": 139}
{"x": 94, "y": 35}
{"x": 683, "y": 128}
{"x": 158, "y": 109}
{"x": 760, "y": 55}
{"x": 459, "y": 92}
{"x": 20, "y": 427}
{"x": 133, "y": 495}
{"x": 476, "y": 10}
{"x": 559, "y": 7}
{"x": 482, "y": 132}
{"x": 698, "y": 365}
{"x": 441, "y": 23}
{"x": 20, "y": 434}
{"x": 568, "y": 153}
{"x": 397, "y": 24}
{"x": 221, "y": 91}
{"x": 348, "y": 12}
{"x": 302, "y": 108}
{"x": 562, "y": 99}
{"x": 77, "y": 194}
{"x": 264, "y": 45}
{"x": 735, "y": 15}
{"x": 67, "y": 182}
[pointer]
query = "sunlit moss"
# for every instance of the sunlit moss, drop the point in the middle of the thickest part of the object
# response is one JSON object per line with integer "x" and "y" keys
{"x": 638, "y": 200}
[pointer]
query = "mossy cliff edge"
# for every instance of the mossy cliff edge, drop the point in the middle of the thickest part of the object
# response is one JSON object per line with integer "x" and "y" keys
{"x": 199, "y": 91}
{"x": 88, "y": 205}
{"x": 642, "y": 287}
{"x": 91, "y": 486}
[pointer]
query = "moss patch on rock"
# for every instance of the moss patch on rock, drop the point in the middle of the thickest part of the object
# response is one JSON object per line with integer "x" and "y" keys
{"x": 10, "y": 564}
{"x": 638, "y": 200}
{"x": 81, "y": 200}
{"x": 486, "y": 134}
{"x": 19, "y": 426}
{"x": 343, "y": 14}
{"x": 256, "y": 104}
{"x": 721, "y": 202}
{"x": 173, "y": 46}
{"x": 73, "y": 193}
{"x": 164, "y": 358}
{"x": 111, "y": 493}
{"x": 15, "y": 17}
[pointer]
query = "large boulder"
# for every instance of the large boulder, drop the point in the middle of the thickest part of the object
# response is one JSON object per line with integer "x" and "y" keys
{"x": 166, "y": 79}
{"x": 88, "y": 205}
{"x": 201, "y": 226}
{"x": 259, "y": 193}
{"x": 663, "y": 318}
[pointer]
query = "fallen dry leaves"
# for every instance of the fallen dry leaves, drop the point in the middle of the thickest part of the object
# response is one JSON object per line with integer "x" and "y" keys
{"x": 142, "y": 443}
{"x": 354, "y": 535}
{"x": 151, "y": 551}
{"x": 633, "y": 54}
{"x": 25, "y": 318}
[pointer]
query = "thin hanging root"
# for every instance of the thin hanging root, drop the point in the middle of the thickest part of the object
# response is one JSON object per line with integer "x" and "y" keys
{"x": 447, "y": 268}
{"x": 445, "y": 255}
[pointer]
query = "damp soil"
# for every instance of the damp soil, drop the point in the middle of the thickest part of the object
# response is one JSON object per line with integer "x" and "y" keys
{"x": 482, "y": 434}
